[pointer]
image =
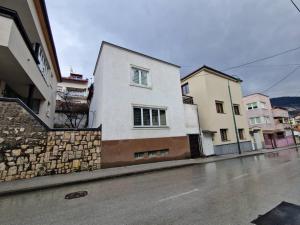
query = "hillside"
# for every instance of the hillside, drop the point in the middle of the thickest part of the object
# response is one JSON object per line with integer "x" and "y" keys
{"x": 291, "y": 103}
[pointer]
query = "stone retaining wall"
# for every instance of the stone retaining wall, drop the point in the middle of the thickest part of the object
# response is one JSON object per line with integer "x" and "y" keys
{"x": 28, "y": 148}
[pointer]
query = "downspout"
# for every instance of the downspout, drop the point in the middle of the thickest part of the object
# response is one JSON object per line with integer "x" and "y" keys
{"x": 200, "y": 133}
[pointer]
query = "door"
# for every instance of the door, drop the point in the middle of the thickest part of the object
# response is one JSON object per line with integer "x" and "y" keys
{"x": 207, "y": 143}
{"x": 194, "y": 145}
{"x": 257, "y": 140}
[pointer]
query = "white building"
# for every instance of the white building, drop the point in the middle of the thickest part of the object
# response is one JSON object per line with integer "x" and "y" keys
{"x": 71, "y": 102}
{"x": 138, "y": 102}
{"x": 29, "y": 68}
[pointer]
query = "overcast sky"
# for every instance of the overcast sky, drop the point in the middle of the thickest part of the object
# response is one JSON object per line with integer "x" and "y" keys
{"x": 190, "y": 33}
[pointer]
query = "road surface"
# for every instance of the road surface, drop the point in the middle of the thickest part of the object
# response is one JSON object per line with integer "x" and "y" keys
{"x": 231, "y": 192}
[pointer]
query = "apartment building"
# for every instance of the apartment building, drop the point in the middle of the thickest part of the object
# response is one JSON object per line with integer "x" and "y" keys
{"x": 221, "y": 112}
{"x": 71, "y": 101}
{"x": 138, "y": 103}
{"x": 29, "y": 68}
{"x": 269, "y": 127}
{"x": 74, "y": 86}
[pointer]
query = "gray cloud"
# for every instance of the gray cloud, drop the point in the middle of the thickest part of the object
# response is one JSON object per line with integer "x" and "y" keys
{"x": 218, "y": 33}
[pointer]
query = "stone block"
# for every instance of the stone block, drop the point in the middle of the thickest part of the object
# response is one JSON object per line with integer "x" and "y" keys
{"x": 2, "y": 166}
{"x": 32, "y": 157}
{"x": 29, "y": 151}
{"x": 12, "y": 171}
{"x": 69, "y": 147}
{"x": 16, "y": 152}
{"x": 76, "y": 164}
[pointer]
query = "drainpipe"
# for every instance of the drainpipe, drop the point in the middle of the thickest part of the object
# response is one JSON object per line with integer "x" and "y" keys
{"x": 200, "y": 133}
{"x": 234, "y": 121}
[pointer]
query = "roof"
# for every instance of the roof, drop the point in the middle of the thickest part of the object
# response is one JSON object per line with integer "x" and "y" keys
{"x": 216, "y": 72}
{"x": 129, "y": 50}
{"x": 44, "y": 19}
{"x": 257, "y": 93}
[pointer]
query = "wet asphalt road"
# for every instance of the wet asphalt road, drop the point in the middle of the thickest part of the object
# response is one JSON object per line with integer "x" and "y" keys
{"x": 231, "y": 192}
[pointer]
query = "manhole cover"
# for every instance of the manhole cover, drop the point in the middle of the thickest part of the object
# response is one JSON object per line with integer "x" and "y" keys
{"x": 77, "y": 194}
{"x": 283, "y": 214}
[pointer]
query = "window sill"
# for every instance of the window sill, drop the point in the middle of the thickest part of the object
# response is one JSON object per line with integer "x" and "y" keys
{"x": 141, "y": 86}
{"x": 151, "y": 128}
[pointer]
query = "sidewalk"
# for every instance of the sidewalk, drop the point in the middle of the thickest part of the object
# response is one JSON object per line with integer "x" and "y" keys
{"x": 44, "y": 182}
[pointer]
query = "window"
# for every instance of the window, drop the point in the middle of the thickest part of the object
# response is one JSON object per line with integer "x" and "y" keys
{"x": 140, "y": 155}
{"x": 241, "y": 134}
{"x": 224, "y": 136}
{"x": 185, "y": 89}
{"x": 255, "y": 120}
{"x": 252, "y": 105}
{"x": 219, "y": 106}
{"x": 149, "y": 117}
{"x": 236, "y": 109}
{"x": 140, "y": 77}
{"x": 137, "y": 116}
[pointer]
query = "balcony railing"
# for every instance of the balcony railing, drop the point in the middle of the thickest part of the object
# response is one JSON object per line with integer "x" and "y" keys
{"x": 187, "y": 99}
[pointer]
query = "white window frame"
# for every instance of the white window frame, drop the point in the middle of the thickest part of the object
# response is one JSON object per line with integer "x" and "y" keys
{"x": 251, "y": 105}
{"x": 139, "y": 84}
{"x": 151, "y": 122}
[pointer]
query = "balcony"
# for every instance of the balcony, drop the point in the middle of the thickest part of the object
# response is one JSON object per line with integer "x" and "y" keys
{"x": 19, "y": 66}
{"x": 281, "y": 126}
{"x": 187, "y": 100}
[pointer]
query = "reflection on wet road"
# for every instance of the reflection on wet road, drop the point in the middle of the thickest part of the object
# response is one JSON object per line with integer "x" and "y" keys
{"x": 227, "y": 192}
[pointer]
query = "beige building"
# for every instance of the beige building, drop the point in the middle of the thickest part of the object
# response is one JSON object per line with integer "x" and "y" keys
{"x": 29, "y": 68}
{"x": 210, "y": 90}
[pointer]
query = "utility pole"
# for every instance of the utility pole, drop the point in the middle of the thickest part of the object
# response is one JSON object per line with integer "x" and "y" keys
{"x": 234, "y": 121}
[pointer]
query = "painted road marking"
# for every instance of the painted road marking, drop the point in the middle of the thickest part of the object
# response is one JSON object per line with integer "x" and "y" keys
{"x": 240, "y": 176}
{"x": 179, "y": 195}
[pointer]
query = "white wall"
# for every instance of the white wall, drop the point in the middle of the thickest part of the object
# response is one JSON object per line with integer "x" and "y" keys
{"x": 114, "y": 96}
{"x": 191, "y": 119}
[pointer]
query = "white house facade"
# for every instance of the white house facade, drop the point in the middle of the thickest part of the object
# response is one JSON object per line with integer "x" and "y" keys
{"x": 138, "y": 103}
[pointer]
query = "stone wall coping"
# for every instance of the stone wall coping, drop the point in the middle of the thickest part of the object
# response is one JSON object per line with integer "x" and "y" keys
{"x": 21, "y": 103}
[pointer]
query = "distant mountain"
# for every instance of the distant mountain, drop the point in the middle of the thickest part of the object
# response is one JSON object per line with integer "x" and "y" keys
{"x": 290, "y": 103}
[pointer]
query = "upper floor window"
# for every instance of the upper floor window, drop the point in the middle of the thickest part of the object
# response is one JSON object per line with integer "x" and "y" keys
{"x": 219, "y": 107}
{"x": 185, "y": 89}
{"x": 149, "y": 117}
{"x": 252, "y": 105}
{"x": 140, "y": 77}
{"x": 236, "y": 109}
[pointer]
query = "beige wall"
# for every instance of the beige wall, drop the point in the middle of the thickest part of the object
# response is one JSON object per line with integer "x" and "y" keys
{"x": 206, "y": 88}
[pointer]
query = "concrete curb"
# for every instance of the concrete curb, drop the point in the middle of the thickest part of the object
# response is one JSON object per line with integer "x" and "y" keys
{"x": 84, "y": 177}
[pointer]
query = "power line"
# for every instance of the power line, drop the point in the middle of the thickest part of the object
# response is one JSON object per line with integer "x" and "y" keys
{"x": 295, "y": 6}
{"x": 285, "y": 77}
{"x": 262, "y": 59}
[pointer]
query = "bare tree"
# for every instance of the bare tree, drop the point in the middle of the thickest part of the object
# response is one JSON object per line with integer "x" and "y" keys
{"x": 74, "y": 111}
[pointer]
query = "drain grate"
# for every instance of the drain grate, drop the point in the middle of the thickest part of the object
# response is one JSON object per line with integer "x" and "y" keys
{"x": 283, "y": 214}
{"x": 78, "y": 194}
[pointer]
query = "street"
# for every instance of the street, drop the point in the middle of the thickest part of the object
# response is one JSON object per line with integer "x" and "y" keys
{"x": 230, "y": 192}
